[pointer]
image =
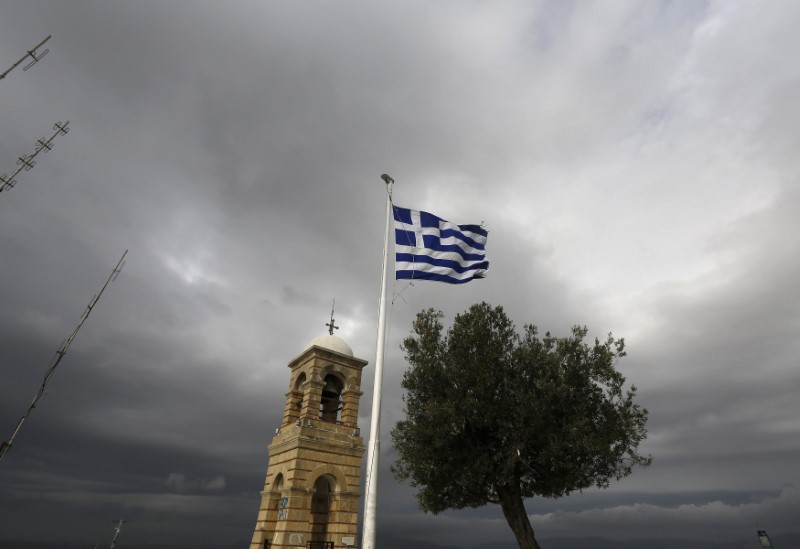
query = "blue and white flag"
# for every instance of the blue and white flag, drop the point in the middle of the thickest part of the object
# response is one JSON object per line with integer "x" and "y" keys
{"x": 429, "y": 248}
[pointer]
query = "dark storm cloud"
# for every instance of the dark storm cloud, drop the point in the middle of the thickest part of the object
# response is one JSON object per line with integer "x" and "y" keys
{"x": 635, "y": 165}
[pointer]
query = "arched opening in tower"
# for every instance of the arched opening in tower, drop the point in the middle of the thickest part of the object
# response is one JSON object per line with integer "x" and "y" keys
{"x": 278, "y": 502}
{"x": 297, "y": 393}
{"x": 321, "y": 508}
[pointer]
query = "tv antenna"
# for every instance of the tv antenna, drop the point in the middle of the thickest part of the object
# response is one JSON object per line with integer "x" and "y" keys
{"x": 5, "y": 447}
{"x": 32, "y": 54}
{"x": 120, "y": 522}
{"x": 27, "y": 162}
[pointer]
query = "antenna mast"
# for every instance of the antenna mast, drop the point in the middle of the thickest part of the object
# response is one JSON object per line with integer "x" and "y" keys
{"x": 32, "y": 54}
{"x": 27, "y": 162}
{"x": 116, "y": 533}
{"x": 5, "y": 447}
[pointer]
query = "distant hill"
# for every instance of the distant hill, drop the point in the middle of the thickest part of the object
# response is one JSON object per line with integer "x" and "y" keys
{"x": 122, "y": 544}
{"x": 784, "y": 541}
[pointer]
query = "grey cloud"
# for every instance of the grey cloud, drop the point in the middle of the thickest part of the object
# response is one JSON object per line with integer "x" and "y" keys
{"x": 635, "y": 165}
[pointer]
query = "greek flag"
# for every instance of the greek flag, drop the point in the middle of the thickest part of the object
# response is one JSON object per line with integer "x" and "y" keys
{"x": 429, "y": 248}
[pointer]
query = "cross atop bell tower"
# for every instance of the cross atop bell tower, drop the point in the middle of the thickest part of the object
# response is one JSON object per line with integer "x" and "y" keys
{"x": 331, "y": 325}
{"x": 311, "y": 492}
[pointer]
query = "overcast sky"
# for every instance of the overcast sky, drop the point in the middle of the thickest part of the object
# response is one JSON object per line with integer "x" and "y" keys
{"x": 635, "y": 164}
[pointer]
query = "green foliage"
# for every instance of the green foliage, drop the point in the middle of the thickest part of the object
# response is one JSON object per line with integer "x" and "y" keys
{"x": 490, "y": 412}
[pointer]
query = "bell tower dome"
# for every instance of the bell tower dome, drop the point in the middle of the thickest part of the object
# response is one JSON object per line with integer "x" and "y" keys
{"x": 311, "y": 490}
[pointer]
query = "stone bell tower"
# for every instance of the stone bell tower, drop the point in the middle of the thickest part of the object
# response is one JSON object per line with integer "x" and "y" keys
{"x": 312, "y": 487}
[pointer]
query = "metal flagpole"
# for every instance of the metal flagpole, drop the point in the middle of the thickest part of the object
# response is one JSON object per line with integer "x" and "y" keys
{"x": 373, "y": 448}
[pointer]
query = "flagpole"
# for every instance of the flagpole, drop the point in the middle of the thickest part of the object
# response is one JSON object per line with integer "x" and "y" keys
{"x": 373, "y": 447}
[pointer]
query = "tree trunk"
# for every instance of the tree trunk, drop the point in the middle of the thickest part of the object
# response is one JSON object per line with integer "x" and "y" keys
{"x": 517, "y": 517}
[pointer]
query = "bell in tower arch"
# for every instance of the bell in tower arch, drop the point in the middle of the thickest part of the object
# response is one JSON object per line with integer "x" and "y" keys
{"x": 331, "y": 402}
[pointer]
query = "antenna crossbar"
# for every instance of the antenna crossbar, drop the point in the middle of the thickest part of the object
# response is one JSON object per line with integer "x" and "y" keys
{"x": 27, "y": 162}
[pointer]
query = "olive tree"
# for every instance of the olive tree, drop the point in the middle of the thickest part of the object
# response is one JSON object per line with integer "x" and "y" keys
{"x": 494, "y": 416}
